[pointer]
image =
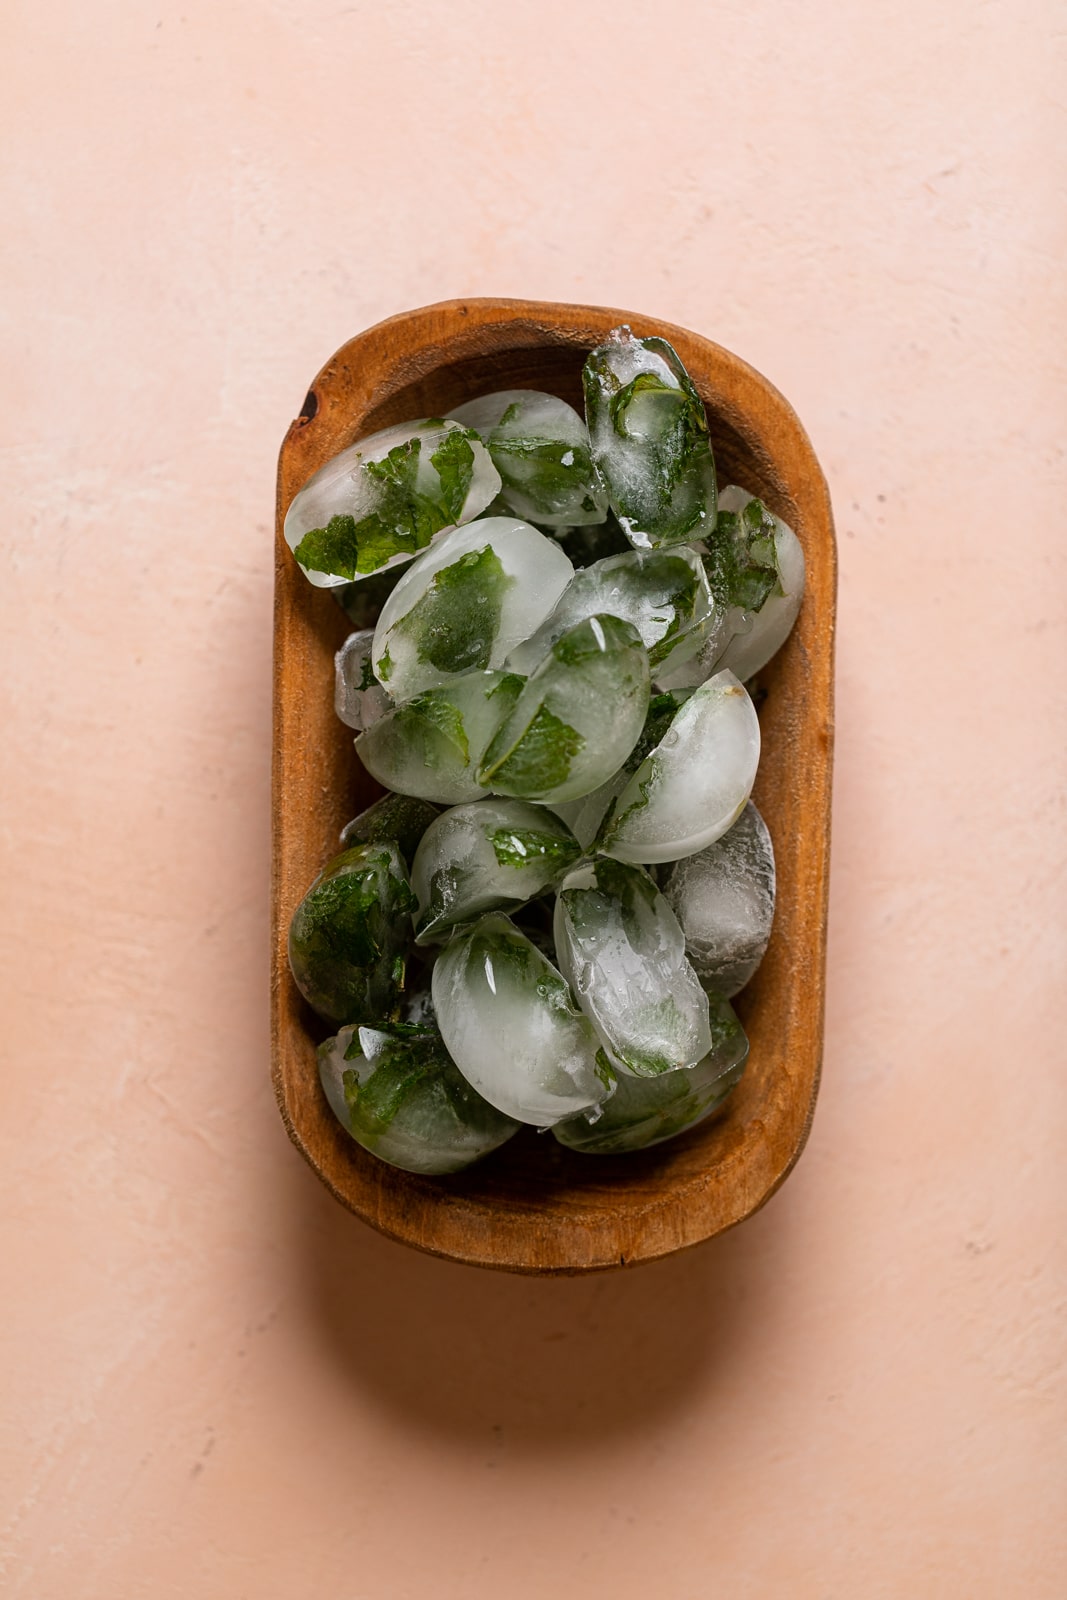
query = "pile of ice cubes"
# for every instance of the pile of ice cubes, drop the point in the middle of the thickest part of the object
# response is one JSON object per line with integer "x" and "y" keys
{"x": 546, "y": 917}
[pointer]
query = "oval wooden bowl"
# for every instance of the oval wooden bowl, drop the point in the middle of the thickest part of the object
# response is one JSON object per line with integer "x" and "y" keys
{"x": 534, "y": 1206}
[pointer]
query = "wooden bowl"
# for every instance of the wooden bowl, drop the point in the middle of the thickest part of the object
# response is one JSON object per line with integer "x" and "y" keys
{"x": 534, "y": 1206}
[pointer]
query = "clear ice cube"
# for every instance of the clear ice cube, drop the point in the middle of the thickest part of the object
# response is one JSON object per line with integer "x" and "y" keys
{"x": 663, "y": 593}
{"x": 466, "y": 603}
{"x": 540, "y": 447}
{"x": 431, "y": 746}
{"x": 646, "y": 1111}
{"x": 349, "y": 936}
{"x": 492, "y": 855}
{"x": 723, "y": 898}
{"x": 694, "y": 784}
{"x": 396, "y": 1090}
{"x": 379, "y": 502}
{"x": 578, "y": 717}
{"x": 358, "y": 697}
{"x": 585, "y": 815}
{"x": 619, "y": 945}
{"x": 759, "y": 633}
{"x": 649, "y": 437}
{"x": 511, "y": 1026}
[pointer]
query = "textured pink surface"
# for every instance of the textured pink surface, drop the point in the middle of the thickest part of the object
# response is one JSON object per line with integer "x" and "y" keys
{"x": 219, "y": 1383}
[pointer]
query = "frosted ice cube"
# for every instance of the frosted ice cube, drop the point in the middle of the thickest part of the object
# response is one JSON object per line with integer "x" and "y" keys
{"x": 349, "y": 936}
{"x": 645, "y": 1111}
{"x": 384, "y": 498}
{"x": 398, "y": 1093}
{"x": 663, "y": 593}
{"x": 578, "y": 717}
{"x": 723, "y": 898}
{"x": 540, "y": 447}
{"x": 649, "y": 437}
{"x": 395, "y": 817}
{"x": 512, "y": 1028}
{"x": 620, "y": 948}
{"x": 466, "y": 603}
{"x": 758, "y": 633}
{"x": 431, "y": 746}
{"x": 358, "y": 697}
{"x": 694, "y": 784}
{"x": 491, "y": 855}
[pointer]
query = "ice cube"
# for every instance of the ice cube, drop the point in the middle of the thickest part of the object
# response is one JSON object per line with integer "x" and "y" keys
{"x": 649, "y": 437}
{"x": 512, "y": 1028}
{"x": 663, "y": 593}
{"x": 397, "y": 817}
{"x": 358, "y": 697}
{"x": 398, "y": 1093}
{"x": 759, "y": 631}
{"x": 349, "y": 936}
{"x": 578, "y": 717}
{"x": 584, "y": 816}
{"x": 384, "y": 498}
{"x": 723, "y": 898}
{"x": 694, "y": 784}
{"x": 620, "y": 948}
{"x": 540, "y": 447}
{"x": 491, "y": 855}
{"x": 466, "y": 603}
{"x": 431, "y": 747}
{"x": 645, "y": 1111}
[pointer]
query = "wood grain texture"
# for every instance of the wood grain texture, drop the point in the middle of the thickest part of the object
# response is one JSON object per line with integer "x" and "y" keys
{"x": 533, "y": 1206}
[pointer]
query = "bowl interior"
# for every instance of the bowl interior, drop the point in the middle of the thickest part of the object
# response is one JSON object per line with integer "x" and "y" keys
{"x": 534, "y": 1205}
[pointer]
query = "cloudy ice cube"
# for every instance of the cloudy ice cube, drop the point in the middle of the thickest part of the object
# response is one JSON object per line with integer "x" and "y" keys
{"x": 400, "y": 1096}
{"x": 384, "y": 498}
{"x": 649, "y": 437}
{"x": 723, "y": 898}
{"x": 395, "y": 817}
{"x": 758, "y": 632}
{"x": 620, "y": 948}
{"x": 349, "y": 936}
{"x": 491, "y": 855}
{"x": 512, "y": 1028}
{"x": 578, "y": 717}
{"x": 645, "y": 1111}
{"x": 358, "y": 697}
{"x": 431, "y": 746}
{"x": 663, "y": 593}
{"x": 540, "y": 447}
{"x": 694, "y": 784}
{"x": 466, "y": 603}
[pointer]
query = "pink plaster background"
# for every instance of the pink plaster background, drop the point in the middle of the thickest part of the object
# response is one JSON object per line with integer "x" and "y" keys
{"x": 219, "y": 1384}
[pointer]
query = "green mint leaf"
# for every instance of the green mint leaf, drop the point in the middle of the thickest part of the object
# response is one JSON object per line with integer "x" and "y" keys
{"x": 456, "y": 621}
{"x": 540, "y": 759}
{"x": 523, "y": 847}
{"x": 440, "y": 712}
{"x": 333, "y": 549}
{"x": 741, "y": 561}
{"x": 453, "y": 461}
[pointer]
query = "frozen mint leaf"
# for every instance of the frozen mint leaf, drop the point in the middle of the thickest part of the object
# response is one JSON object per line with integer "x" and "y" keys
{"x": 334, "y": 548}
{"x": 453, "y": 461}
{"x": 522, "y": 847}
{"x": 455, "y": 623}
{"x": 741, "y": 563}
{"x": 540, "y": 759}
{"x": 444, "y": 716}
{"x": 545, "y": 468}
